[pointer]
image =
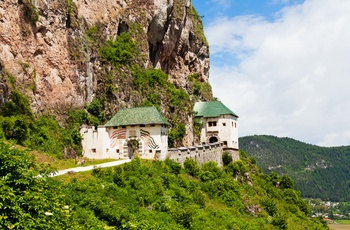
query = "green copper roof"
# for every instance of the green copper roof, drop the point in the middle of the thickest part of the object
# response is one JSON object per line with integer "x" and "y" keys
{"x": 137, "y": 116}
{"x": 211, "y": 109}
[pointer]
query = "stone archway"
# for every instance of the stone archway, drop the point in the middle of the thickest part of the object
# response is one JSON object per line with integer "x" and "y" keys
{"x": 133, "y": 147}
{"x": 213, "y": 139}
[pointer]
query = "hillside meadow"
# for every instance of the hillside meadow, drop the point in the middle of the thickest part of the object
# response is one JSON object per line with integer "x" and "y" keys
{"x": 149, "y": 195}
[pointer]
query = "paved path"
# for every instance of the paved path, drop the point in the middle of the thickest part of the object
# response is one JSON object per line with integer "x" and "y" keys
{"x": 91, "y": 167}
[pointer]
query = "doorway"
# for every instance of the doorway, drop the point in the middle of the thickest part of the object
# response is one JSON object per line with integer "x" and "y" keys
{"x": 133, "y": 146}
{"x": 213, "y": 139}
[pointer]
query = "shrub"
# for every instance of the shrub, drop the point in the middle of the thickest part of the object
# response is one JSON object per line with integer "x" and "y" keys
{"x": 286, "y": 182}
{"x": 18, "y": 105}
{"x": 94, "y": 107}
{"x": 191, "y": 167}
{"x": 213, "y": 168}
{"x": 173, "y": 166}
{"x": 144, "y": 79}
{"x": 226, "y": 158}
{"x": 120, "y": 50}
{"x": 176, "y": 134}
{"x": 28, "y": 202}
{"x": 15, "y": 128}
{"x": 269, "y": 205}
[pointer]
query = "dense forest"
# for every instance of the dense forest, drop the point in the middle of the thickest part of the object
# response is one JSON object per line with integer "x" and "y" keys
{"x": 318, "y": 172}
{"x": 148, "y": 195}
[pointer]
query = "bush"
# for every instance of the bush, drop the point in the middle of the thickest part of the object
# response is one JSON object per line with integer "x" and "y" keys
{"x": 120, "y": 50}
{"x": 191, "y": 167}
{"x": 95, "y": 107}
{"x": 176, "y": 134}
{"x": 15, "y": 128}
{"x": 173, "y": 166}
{"x": 18, "y": 105}
{"x": 28, "y": 202}
{"x": 286, "y": 182}
{"x": 226, "y": 158}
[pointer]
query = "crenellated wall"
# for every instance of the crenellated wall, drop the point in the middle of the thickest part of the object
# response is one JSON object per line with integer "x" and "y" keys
{"x": 202, "y": 154}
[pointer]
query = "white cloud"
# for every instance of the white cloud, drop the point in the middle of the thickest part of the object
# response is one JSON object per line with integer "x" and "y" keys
{"x": 293, "y": 74}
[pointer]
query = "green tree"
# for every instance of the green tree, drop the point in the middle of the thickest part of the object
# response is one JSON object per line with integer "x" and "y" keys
{"x": 191, "y": 167}
{"x": 286, "y": 182}
{"x": 26, "y": 201}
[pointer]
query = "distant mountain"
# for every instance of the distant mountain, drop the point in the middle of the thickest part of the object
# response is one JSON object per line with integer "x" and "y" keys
{"x": 318, "y": 172}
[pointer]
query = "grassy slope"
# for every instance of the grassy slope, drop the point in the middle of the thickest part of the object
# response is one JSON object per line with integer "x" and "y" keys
{"x": 317, "y": 171}
{"x": 162, "y": 195}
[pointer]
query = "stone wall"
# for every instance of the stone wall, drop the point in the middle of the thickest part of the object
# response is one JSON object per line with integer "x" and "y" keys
{"x": 202, "y": 154}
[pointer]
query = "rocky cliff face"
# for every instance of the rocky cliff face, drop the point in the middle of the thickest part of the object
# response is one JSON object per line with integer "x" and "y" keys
{"x": 49, "y": 48}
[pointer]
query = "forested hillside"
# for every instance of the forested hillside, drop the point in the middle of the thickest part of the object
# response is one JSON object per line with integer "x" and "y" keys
{"x": 318, "y": 172}
{"x": 148, "y": 195}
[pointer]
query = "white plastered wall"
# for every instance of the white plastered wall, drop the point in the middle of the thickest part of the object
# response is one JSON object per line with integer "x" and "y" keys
{"x": 111, "y": 142}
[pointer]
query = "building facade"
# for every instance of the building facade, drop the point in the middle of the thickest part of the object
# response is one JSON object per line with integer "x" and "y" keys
{"x": 141, "y": 131}
{"x": 219, "y": 124}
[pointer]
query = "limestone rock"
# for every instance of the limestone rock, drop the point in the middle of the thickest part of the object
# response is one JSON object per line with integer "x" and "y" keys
{"x": 45, "y": 46}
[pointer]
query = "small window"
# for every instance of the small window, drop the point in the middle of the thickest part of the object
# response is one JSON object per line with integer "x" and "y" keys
{"x": 212, "y": 123}
{"x": 152, "y": 125}
{"x": 225, "y": 143}
{"x": 123, "y": 126}
{"x": 142, "y": 125}
{"x": 107, "y": 149}
{"x": 115, "y": 127}
{"x": 150, "y": 151}
{"x": 224, "y": 124}
{"x": 93, "y": 150}
{"x": 235, "y": 125}
{"x": 117, "y": 150}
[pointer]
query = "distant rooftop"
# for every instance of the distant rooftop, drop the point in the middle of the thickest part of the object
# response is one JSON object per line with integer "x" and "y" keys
{"x": 211, "y": 109}
{"x": 137, "y": 116}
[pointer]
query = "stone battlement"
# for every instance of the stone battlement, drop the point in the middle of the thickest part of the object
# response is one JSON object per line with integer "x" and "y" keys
{"x": 202, "y": 153}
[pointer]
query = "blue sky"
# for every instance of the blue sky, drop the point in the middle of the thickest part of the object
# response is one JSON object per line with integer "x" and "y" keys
{"x": 282, "y": 66}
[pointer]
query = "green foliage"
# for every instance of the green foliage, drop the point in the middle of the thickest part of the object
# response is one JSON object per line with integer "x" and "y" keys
{"x": 143, "y": 79}
{"x": 198, "y": 25}
{"x": 269, "y": 205}
{"x": 18, "y": 124}
{"x": 27, "y": 202}
{"x": 120, "y": 50}
{"x": 15, "y": 128}
{"x": 142, "y": 195}
{"x": 286, "y": 182}
{"x": 77, "y": 117}
{"x": 92, "y": 31}
{"x": 226, "y": 158}
{"x": 176, "y": 134}
{"x": 17, "y": 105}
{"x": 200, "y": 89}
{"x": 197, "y": 127}
{"x": 318, "y": 172}
{"x": 30, "y": 12}
{"x": 178, "y": 97}
{"x": 191, "y": 167}
{"x": 95, "y": 107}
